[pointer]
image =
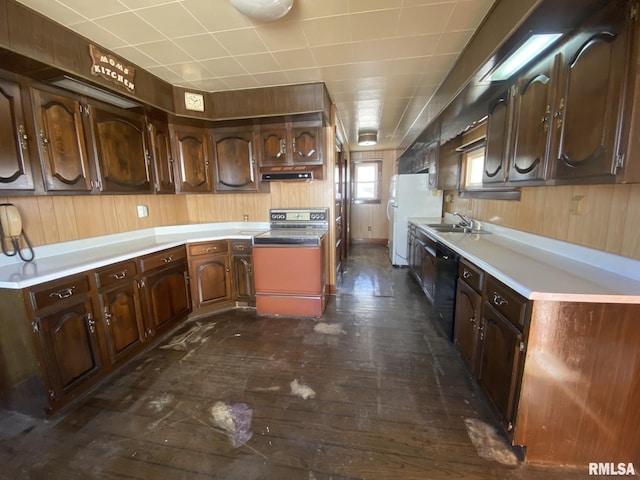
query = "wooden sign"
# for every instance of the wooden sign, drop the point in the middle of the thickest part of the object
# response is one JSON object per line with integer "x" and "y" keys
{"x": 112, "y": 69}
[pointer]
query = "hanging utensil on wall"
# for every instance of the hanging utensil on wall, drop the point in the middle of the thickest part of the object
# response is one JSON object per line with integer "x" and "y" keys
{"x": 12, "y": 234}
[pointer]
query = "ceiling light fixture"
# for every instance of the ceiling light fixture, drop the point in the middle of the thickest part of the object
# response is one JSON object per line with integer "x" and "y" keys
{"x": 366, "y": 138}
{"x": 531, "y": 48}
{"x": 263, "y": 10}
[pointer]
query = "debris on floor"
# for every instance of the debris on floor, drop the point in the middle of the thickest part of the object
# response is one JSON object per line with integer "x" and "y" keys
{"x": 158, "y": 404}
{"x": 488, "y": 442}
{"x": 302, "y": 391}
{"x": 329, "y": 328}
{"x": 191, "y": 336}
{"x": 235, "y": 420}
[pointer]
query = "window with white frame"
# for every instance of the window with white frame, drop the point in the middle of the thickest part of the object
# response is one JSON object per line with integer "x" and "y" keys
{"x": 366, "y": 181}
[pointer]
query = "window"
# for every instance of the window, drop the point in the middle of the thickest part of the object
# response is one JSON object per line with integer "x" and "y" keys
{"x": 474, "y": 164}
{"x": 366, "y": 181}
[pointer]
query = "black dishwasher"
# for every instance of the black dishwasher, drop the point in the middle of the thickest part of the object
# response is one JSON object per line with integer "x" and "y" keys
{"x": 435, "y": 267}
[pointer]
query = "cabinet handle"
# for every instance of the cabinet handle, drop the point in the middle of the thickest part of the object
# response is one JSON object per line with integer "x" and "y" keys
{"x": 91, "y": 323}
{"x": 167, "y": 259}
{"x": 240, "y": 248}
{"x": 445, "y": 257}
{"x": 107, "y": 317}
{"x": 64, "y": 293}
{"x": 44, "y": 141}
{"x": 499, "y": 300}
{"x": 22, "y": 133}
{"x": 208, "y": 249}
{"x": 559, "y": 114}
{"x": 227, "y": 269}
{"x": 283, "y": 147}
{"x": 481, "y": 332}
{"x": 473, "y": 319}
{"x": 545, "y": 119}
{"x": 119, "y": 275}
{"x": 466, "y": 273}
{"x": 35, "y": 326}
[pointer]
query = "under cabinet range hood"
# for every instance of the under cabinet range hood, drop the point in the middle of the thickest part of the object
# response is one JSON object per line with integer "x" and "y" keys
{"x": 300, "y": 173}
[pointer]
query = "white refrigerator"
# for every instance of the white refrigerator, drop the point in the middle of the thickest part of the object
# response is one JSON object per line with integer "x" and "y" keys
{"x": 409, "y": 196}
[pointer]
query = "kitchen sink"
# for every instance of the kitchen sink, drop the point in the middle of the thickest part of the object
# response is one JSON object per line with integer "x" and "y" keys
{"x": 452, "y": 228}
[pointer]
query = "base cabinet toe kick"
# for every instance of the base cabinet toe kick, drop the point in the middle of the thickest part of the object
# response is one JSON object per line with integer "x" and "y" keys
{"x": 563, "y": 378}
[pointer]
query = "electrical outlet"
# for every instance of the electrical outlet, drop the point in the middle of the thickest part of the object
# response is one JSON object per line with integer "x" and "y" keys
{"x": 143, "y": 211}
{"x": 245, "y": 217}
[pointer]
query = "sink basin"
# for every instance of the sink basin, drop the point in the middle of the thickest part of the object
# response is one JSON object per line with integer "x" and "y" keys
{"x": 452, "y": 228}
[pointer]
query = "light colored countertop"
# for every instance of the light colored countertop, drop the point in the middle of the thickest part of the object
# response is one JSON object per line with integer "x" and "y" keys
{"x": 540, "y": 268}
{"x": 68, "y": 258}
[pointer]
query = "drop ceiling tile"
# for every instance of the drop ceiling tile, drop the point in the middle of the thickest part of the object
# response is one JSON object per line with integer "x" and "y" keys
{"x": 417, "y": 3}
{"x": 453, "y": 42}
{"x": 165, "y": 51}
{"x": 190, "y": 71}
{"x": 240, "y": 82}
{"x": 270, "y": 79}
{"x": 244, "y": 41}
{"x": 224, "y": 67}
{"x": 333, "y": 54}
{"x": 468, "y": 14}
{"x": 442, "y": 63}
{"x": 401, "y": 47}
{"x": 358, "y": 6}
{"x": 327, "y": 31}
{"x": 216, "y": 15}
{"x": 306, "y": 9}
{"x": 201, "y": 47}
{"x": 294, "y": 59}
{"x": 95, "y": 9}
{"x": 424, "y": 19}
{"x": 338, "y": 72}
{"x": 134, "y": 4}
{"x": 257, "y": 63}
{"x": 136, "y": 56}
{"x": 54, "y": 10}
{"x": 165, "y": 74}
{"x": 172, "y": 20}
{"x": 211, "y": 85}
{"x": 303, "y": 75}
{"x": 98, "y": 35}
{"x": 281, "y": 35}
{"x": 425, "y": 90}
{"x": 130, "y": 27}
{"x": 373, "y": 25}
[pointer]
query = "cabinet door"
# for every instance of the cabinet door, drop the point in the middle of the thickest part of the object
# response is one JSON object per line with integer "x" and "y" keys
{"x": 448, "y": 171}
{"x": 210, "y": 280}
{"x": 498, "y": 369}
{"x": 121, "y": 151}
{"x": 63, "y": 152}
{"x": 122, "y": 319}
{"x": 273, "y": 145}
{"x": 588, "y": 113}
{"x": 306, "y": 145}
{"x": 166, "y": 297}
{"x": 70, "y": 348}
{"x": 161, "y": 156}
{"x": 15, "y": 162}
{"x": 192, "y": 156}
{"x": 428, "y": 273}
{"x": 467, "y": 320}
{"x": 243, "y": 278}
{"x": 498, "y": 125}
{"x": 534, "y": 102}
{"x": 234, "y": 156}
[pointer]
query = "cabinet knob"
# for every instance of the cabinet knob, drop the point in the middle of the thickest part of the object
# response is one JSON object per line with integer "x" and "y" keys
{"x": 22, "y": 133}
{"x": 167, "y": 259}
{"x": 91, "y": 323}
{"x": 107, "y": 317}
{"x": 559, "y": 114}
{"x": 466, "y": 273}
{"x": 44, "y": 141}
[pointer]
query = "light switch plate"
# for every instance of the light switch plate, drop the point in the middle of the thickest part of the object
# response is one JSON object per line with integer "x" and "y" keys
{"x": 143, "y": 211}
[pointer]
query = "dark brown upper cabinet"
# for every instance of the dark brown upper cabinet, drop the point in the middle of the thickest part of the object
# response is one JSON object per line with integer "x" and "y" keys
{"x": 497, "y": 149}
{"x": 234, "y": 153}
{"x": 161, "y": 156}
{"x": 291, "y": 143}
{"x": 448, "y": 170}
{"x": 119, "y": 144}
{"x": 534, "y": 105}
{"x": 15, "y": 161}
{"x": 61, "y": 142}
{"x": 590, "y": 106}
{"x": 191, "y": 153}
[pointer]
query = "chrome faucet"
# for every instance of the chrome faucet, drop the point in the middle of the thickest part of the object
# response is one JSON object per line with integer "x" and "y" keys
{"x": 465, "y": 222}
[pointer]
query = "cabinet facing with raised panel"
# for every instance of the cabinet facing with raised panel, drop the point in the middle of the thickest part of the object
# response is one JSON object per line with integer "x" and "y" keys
{"x": 161, "y": 155}
{"x": 210, "y": 273}
{"x": 191, "y": 154}
{"x": 291, "y": 143}
{"x": 234, "y": 153}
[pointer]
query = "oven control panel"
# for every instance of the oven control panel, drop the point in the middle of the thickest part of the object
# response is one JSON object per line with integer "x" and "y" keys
{"x": 299, "y": 215}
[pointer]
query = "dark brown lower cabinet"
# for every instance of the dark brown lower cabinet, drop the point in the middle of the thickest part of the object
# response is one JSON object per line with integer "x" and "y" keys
{"x": 211, "y": 279}
{"x": 242, "y": 271}
{"x": 467, "y": 323}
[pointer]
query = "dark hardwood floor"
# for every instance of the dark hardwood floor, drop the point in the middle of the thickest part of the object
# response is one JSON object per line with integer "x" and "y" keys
{"x": 372, "y": 390}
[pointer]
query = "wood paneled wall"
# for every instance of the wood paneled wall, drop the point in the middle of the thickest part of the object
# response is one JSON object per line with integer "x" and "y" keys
{"x": 364, "y": 216}
{"x": 604, "y": 217}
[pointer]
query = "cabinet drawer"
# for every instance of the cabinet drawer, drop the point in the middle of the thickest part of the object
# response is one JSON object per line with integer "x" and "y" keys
{"x": 472, "y": 275}
{"x": 241, "y": 247}
{"x": 113, "y": 274}
{"x": 509, "y": 303}
{"x": 207, "y": 248}
{"x": 162, "y": 258}
{"x": 58, "y": 291}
